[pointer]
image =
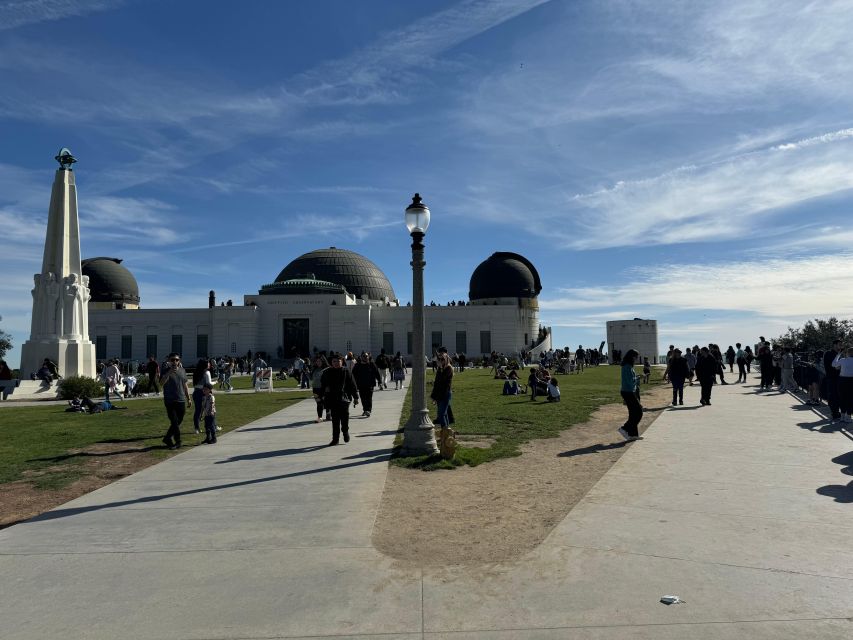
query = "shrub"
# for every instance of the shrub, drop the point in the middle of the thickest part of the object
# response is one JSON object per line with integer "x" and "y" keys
{"x": 80, "y": 386}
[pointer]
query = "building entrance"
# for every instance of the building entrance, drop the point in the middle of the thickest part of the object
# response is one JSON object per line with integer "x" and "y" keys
{"x": 295, "y": 336}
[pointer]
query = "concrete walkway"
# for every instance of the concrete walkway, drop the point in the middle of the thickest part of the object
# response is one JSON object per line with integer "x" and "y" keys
{"x": 744, "y": 509}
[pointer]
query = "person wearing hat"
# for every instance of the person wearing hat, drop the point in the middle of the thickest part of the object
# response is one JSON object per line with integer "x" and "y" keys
{"x": 366, "y": 375}
{"x": 339, "y": 389}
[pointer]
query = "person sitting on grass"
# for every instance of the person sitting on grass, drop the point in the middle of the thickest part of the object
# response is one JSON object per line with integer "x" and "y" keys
{"x": 553, "y": 390}
{"x": 536, "y": 383}
{"x": 511, "y": 384}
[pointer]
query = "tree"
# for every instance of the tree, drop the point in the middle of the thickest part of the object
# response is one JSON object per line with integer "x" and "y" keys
{"x": 817, "y": 334}
{"x": 5, "y": 342}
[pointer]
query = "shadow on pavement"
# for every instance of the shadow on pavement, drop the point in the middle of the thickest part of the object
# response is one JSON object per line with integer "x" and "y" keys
{"x": 594, "y": 448}
{"x": 272, "y": 454}
{"x": 840, "y": 492}
{"x": 278, "y": 426}
{"x": 65, "y": 513}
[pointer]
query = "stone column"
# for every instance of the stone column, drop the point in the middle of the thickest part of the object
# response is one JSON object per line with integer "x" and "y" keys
{"x": 60, "y": 319}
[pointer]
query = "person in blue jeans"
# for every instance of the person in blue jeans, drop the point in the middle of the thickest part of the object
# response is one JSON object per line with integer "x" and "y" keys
{"x": 442, "y": 392}
{"x": 630, "y": 391}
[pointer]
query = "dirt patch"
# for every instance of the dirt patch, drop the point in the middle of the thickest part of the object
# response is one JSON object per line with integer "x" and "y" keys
{"x": 101, "y": 464}
{"x": 501, "y": 510}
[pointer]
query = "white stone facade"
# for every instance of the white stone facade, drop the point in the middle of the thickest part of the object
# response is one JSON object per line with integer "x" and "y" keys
{"x": 335, "y": 322}
{"x": 639, "y": 334}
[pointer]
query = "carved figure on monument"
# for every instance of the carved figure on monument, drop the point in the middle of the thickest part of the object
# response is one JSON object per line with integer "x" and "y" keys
{"x": 73, "y": 300}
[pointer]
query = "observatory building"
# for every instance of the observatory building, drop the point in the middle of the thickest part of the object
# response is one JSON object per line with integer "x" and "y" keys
{"x": 329, "y": 300}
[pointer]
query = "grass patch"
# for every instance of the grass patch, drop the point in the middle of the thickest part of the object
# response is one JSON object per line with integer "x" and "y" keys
{"x": 506, "y": 422}
{"x": 43, "y": 444}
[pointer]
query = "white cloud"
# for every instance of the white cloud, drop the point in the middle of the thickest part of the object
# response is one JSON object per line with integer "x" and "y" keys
{"x": 718, "y": 201}
{"x": 781, "y": 289}
{"x": 17, "y": 13}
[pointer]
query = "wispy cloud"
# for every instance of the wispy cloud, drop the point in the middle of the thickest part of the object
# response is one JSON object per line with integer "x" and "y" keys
{"x": 17, "y": 13}
{"x": 716, "y": 201}
{"x": 811, "y": 286}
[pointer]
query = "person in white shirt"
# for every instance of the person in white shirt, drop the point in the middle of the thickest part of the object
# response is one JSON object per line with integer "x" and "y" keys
{"x": 845, "y": 383}
{"x": 553, "y": 390}
{"x": 787, "y": 365}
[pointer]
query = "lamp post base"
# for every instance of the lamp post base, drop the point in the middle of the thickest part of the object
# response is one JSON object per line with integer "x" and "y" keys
{"x": 419, "y": 436}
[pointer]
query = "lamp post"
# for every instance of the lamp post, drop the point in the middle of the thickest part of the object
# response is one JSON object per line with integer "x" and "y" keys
{"x": 418, "y": 434}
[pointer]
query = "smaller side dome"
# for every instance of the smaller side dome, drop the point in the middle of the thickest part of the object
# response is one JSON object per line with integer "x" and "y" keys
{"x": 504, "y": 275}
{"x": 110, "y": 281}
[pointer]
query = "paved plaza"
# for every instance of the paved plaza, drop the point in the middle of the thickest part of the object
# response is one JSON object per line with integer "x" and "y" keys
{"x": 743, "y": 509}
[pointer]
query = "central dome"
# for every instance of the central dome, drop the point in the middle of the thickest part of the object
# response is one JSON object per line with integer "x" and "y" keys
{"x": 358, "y": 275}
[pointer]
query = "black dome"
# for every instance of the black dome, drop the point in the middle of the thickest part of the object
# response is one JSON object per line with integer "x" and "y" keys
{"x": 504, "y": 275}
{"x": 358, "y": 275}
{"x": 109, "y": 281}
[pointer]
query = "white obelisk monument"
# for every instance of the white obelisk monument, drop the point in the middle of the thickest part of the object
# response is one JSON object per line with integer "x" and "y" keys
{"x": 60, "y": 325}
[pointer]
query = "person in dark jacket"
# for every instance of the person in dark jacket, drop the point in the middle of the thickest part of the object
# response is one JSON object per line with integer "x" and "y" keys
{"x": 339, "y": 390}
{"x": 707, "y": 367}
{"x": 765, "y": 361}
{"x": 678, "y": 373}
{"x": 366, "y": 375}
{"x": 442, "y": 389}
{"x": 831, "y": 380}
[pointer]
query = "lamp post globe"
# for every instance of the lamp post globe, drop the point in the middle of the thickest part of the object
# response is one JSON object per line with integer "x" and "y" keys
{"x": 419, "y": 433}
{"x": 417, "y": 215}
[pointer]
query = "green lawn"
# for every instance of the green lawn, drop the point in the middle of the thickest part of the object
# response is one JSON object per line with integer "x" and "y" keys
{"x": 505, "y": 422}
{"x": 41, "y": 439}
{"x": 245, "y": 382}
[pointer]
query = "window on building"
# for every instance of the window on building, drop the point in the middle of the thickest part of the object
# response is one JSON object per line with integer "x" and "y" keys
{"x": 388, "y": 341}
{"x": 178, "y": 344}
{"x": 485, "y": 342}
{"x": 151, "y": 346}
{"x": 461, "y": 342}
{"x": 409, "y": 347}
{"x": 101, "y": 347}
{"x": 349, "y": 345}
{"x": 233, "y": 347}
{"x": 436, "y": 341}
{"x": 126, "y": 347}
{"x": 201, "y": 346}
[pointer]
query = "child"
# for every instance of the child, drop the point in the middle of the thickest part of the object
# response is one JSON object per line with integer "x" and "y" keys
{"x": 647, "y": 370}
{"x": 208, "y": 410}
{"x": 553, "y": 390}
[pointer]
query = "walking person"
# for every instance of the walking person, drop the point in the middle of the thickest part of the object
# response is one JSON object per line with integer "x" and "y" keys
{"x": 176, "y": 397}
{"x": 320, "y": 365}
{"x": 442, "y": 389}
{"x": 678, "y": 373}
{"x": 366, "y": 375}
{"x": 706, "y": 370}
{"x": 338, "y": 391}
{"x": 152, "y": 368}
{"x": 690, "y": 357}
{"x": 844, "y": 365}
{"x": 209, "y": 412}
{"x": 228, "y": 371}
{"x": 112, "y": 378}
{"x": 731, "y": 356}
{"x": 630, "y": 391}
{"x": 740, "y": 358}
{"x": 383, "y": 362}
{"x": 201, "y": 377}
{"x": 398, "y": 371}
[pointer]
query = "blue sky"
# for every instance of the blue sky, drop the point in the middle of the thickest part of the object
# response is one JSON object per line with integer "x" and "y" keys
{"x": 689, "y": 162}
